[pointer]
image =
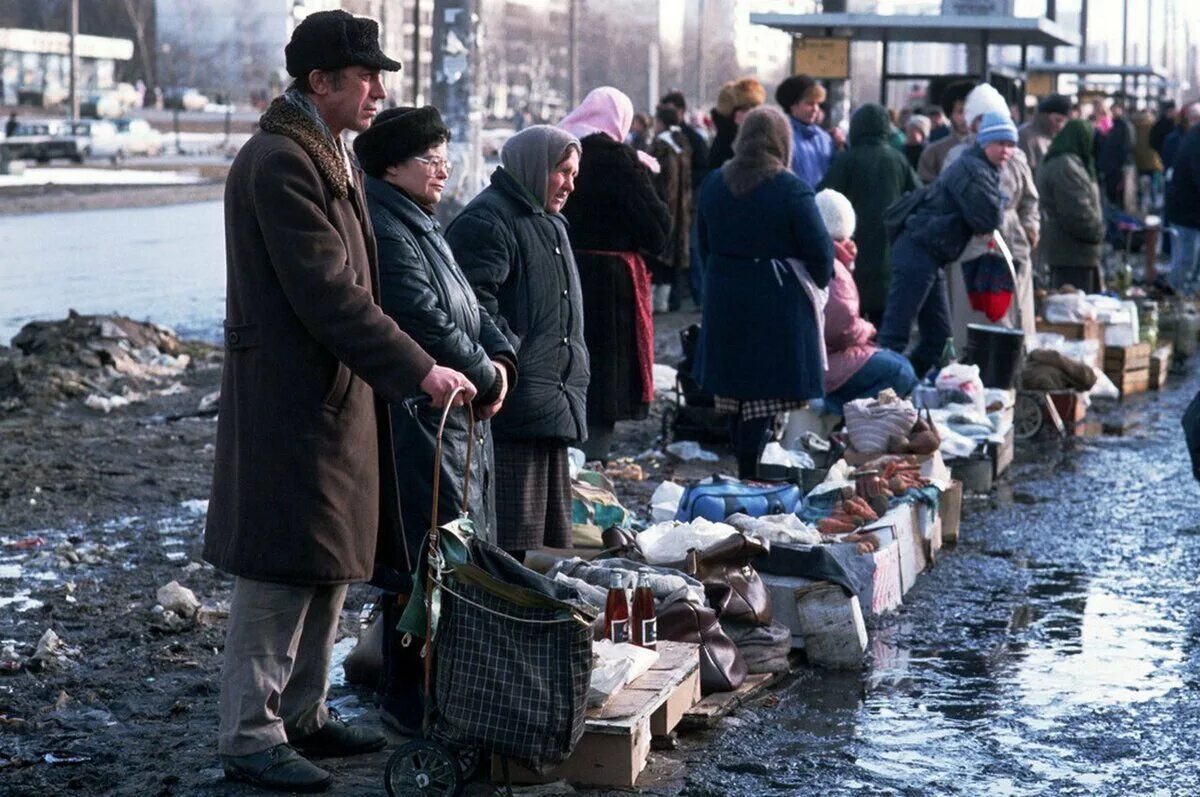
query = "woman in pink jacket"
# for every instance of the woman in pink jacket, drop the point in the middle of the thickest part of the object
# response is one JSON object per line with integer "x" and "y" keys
{"x": 857, "y": 368}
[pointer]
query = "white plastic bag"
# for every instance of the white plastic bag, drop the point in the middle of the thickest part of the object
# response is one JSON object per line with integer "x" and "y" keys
{"x": 614, "y": 666}
{"x": 688, "y": 450}
{"x": 870, "y": 422}
{"x": 670, "y": 541}
{"x": 1104, "y": 387}
{"x": 775, "y": 454}
{"x": 957, "y": 377}
{"x": 664, "y": 503}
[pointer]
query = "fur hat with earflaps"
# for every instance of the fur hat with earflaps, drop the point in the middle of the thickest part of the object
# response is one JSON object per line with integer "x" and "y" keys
{"x": 333, "y": 40}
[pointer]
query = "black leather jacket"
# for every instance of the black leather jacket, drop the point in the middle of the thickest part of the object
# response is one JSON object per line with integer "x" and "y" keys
{"x": 428, "y": 295}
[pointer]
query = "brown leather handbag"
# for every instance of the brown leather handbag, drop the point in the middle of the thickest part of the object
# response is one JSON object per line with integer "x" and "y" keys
{"x": 722, "y": 668}
{"x": 733, "y": 587}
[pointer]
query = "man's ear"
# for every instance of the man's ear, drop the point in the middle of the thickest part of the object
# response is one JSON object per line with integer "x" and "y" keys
{"x": 319, "y": 81}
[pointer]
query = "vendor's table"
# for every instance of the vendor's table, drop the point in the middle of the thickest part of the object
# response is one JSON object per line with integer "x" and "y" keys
{"x": 831, "y": 626}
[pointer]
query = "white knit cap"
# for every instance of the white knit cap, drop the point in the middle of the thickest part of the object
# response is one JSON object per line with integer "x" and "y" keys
{"x": 984, "y": 98}
{"x": 837, "y": 213}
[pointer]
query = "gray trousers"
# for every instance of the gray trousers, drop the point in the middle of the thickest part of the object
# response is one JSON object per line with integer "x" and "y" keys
{"x": 277, "y": 650}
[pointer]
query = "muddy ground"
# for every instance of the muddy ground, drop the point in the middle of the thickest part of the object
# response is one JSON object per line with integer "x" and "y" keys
{"x": 97, "y": 511}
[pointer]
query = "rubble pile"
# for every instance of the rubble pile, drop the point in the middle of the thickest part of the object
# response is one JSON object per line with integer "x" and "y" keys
{"x": 108, "y": 361}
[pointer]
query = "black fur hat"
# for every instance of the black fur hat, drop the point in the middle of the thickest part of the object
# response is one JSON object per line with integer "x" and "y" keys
{"x": 396, "y": 135}
{"x": 333, "y": 40}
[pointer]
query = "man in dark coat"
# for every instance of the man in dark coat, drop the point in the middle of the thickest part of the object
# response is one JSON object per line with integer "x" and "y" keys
{"x": 1114, "y": 156}
{"x": 696, "y": 142}
{"x": 1183, "y": 212}
{"x": 303, "y": 499}
{"x": 872, "y": 174}
{"x": 674, "y": 185}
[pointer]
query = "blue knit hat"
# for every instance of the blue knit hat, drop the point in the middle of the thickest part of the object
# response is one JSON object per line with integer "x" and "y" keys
{"x": 995, "y": 127}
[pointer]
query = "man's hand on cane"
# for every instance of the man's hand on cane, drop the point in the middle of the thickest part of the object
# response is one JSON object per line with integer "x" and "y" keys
{"x": 440, "y": 382}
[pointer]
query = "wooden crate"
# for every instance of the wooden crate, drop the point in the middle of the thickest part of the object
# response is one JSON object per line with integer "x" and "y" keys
{"x": 1131, "y": 383}
{"x": 1118, "y": 359}
{"x": 1160, "y": 364}
{"x": 616, "y": 737}
{"x": 1003, "y": 454}
{"x": 950, "y": 509}
{"x": 1091, "y": 329}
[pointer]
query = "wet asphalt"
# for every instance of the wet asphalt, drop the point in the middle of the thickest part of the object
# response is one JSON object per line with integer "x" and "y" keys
{"x": 1055, "y": 651}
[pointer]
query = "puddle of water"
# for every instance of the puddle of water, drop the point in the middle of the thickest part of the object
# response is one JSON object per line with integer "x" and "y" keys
{"x": 1122, "y": 651}
{"x": 337, "y": 676}
{"x": 196, "y": 506}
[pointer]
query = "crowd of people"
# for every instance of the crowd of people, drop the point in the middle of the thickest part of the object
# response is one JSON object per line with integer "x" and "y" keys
{"x": 354, "y": 319}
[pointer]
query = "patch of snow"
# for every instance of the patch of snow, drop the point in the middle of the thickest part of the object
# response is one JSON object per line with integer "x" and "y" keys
{"x": 92, "y": 176}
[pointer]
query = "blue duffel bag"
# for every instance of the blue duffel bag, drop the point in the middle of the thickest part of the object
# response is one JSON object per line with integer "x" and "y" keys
{"x": 722, "y": 496}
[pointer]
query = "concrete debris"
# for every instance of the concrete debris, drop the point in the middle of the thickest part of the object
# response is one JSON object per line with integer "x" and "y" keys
{"x": 174, "y": 597}
{"x": 108, "y": 361}
{"x": 51, "y": 651}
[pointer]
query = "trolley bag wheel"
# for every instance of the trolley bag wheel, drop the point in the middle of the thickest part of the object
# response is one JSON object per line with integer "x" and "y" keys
{"x": 1027, "y": 416}
{"x": 470, "y": 760}
{"x": 422, "y": 768}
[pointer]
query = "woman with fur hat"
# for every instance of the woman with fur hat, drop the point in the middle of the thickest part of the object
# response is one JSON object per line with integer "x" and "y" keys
{"x": 736, "y": 99}
{"x": 512, "y": 242}
{"x": 615, "y": 218}
{"x": 857, "y": 367}
{"x": 764, "y": 247}
{"x": 406, "y": 163}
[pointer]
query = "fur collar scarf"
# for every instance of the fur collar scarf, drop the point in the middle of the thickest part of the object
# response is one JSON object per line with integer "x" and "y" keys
{"x": 289, "y": 119}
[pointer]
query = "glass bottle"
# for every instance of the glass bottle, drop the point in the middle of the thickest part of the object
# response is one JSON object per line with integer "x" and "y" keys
{"x": 949, "y": 354}
{"x": 645, "y": 621}
{"x": 616, "y": 611}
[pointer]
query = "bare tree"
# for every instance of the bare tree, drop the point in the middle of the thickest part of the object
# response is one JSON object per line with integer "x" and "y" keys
{"x": 141, "y": 16}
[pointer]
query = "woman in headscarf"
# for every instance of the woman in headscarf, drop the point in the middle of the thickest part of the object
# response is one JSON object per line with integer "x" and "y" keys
{"x": 765, "y": 250}
{"x": 406, "y": 162}
{"x": 615, "y": 217}
{"x": 1072, "y": 218}
{"x": 512, "y": 243}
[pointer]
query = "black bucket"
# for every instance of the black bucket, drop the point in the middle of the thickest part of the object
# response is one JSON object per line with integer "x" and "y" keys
{"x": 998, "y": 351}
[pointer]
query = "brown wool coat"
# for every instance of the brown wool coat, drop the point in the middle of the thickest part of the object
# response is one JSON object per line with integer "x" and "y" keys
{"x": 304, "y": 487}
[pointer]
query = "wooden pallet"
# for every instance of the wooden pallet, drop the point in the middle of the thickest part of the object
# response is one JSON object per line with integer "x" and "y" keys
{"x": 713, "y": 708}
{"x": 616, "y": 738}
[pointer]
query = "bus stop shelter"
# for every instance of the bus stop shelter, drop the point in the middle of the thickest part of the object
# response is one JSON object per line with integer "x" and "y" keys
{"x": 1147, "y": 77}
{"x": 973, "y": 31}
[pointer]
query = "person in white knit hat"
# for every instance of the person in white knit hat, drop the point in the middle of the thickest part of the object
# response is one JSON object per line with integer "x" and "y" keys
{"x": 857, "y": 368}
{"x": 1020, "y": 230}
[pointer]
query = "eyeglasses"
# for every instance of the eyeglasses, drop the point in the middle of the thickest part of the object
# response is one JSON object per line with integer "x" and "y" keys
{"x": 436, "y": 164}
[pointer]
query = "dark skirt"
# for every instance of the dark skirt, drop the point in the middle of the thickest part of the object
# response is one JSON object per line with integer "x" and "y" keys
{"x": 533, "y": 495}
{"x": 610, "y": 318}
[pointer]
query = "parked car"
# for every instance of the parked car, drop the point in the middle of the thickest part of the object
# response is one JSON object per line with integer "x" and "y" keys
{"x": 94, "y": 138}
{"x": 41, "y": 140}
{"x": 138, "y": 137}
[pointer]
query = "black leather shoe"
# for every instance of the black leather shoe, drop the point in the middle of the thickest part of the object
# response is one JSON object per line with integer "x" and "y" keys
{"x": 336, "y": 738}
{"x": 279, "y": 768}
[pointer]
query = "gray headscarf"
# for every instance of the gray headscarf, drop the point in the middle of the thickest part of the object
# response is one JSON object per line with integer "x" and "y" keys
{"x": 530, "y": 155}
{"x": 762, "y": 149}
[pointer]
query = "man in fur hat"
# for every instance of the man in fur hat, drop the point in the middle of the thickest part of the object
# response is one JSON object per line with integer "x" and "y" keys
{"x": 304, "y": 492}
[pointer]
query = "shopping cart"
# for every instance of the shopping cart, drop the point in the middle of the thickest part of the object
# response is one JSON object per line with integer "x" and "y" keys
{"x": 494, "y": 635}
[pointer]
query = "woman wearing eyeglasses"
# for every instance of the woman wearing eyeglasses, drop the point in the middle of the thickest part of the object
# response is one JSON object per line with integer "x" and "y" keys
{"x": 404, "y": 154}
